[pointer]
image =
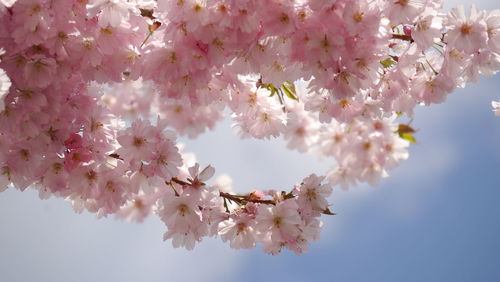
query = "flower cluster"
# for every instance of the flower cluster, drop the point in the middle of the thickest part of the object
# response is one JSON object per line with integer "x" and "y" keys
{"x": 81, "y": 82}
{"x": 277, "y": 220}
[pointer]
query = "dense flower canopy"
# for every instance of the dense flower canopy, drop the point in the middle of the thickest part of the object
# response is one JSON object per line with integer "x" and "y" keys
{"x": 93, "y": 94}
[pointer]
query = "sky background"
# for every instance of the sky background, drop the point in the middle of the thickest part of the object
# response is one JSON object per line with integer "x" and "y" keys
{"x": 437, "y": 218}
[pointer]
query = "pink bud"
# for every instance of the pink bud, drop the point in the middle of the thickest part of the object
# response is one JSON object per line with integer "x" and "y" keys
{"x": 407, "y": 30}
{"x": 73, "y": 142}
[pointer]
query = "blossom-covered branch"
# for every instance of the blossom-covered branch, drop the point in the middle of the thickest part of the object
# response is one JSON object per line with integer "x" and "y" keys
{"x": 82, "y": 82}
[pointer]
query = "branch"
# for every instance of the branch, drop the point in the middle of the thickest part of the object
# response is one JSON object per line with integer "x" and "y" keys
{"x": 245, "y": 199}
{"x": 402, "y": 37}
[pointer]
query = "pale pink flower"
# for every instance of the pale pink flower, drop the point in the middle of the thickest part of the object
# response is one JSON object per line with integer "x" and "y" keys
{"x": 312, "y": 195}
{"x": 372, "y": 173}
{"x": 239, "y": 230}
{"x": 333, "y": 140}
{"x": 183, "y": 219}
{"x": 466, "y": 33}
{"x": 427, "y": 31}
{"x": 54, "y": 177}
{"x": 347, "y": 109}
{"x": 361, "y": 18}
{"x": 85, "y": 48}
{"x": 263, "y": 119}
{"x": 279, "y": 223}
{"x": 433, "y": 89}
{"x": 309, "y": 232}
{"x": 111, "y": 192}
{"x": 40, "y": 71}
{"x": 110, "y": 12}
{"x": 138, "y": 141}
{"x": 166, "y": 160}
{"x": 344, "y": 176}
{"x": 404, "y": 11}
{"x": 493, "y": 29}
{"x": 83, "y": 181}
{"x": 138, "y": 208}
{"x": 394, "y": 150}
{"x": 301, "y": 130}
{"x": 197, "y": 177}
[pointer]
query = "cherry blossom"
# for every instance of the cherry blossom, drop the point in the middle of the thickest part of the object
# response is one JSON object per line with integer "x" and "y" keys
{"x": 94, "y": 94}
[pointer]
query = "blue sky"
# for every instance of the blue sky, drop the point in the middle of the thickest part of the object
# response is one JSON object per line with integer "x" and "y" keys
{"x": 435, "y": 219}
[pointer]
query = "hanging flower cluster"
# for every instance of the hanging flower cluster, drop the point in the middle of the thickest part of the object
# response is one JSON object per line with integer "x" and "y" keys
{"x": 94, "y": 92}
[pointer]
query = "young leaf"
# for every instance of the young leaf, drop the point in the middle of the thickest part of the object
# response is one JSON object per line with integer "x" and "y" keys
{"x": 271, "y": 88}
{"x": 405, "y": 128}
{"x": 328, "y": 212}
{"x": 408, "y": 136}
{"x": 289, "y": 89}
{"x": 406, "y": 132}
{"x": 387, "y": 63}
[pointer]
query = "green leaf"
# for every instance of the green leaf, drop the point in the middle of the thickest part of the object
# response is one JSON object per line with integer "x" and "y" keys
{"x": 271, "y": 88}
{"x": 387, "y": 63}
{"x": 405, "y": 131}
{"x": 289, "y": 89}
{"x": 408, "y": 136}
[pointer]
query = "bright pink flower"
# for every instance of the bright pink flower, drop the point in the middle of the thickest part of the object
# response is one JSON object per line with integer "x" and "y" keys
{"x": 75, "y": 157}
{"x": 74, "y": 141}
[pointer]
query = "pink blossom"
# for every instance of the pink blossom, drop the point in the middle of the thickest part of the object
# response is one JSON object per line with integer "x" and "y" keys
{"x": 74, "y": 141}
{"x": 239, "y": 231}
{"x": 75, "y": 157}
{"x": 466, "y": 34}
{"x": 80, "y": 82}
{"x": 404, "y": 11}
{"x": 311, "y": 194}
{"x": 138, "y": 208}
{"x": 111, "y": 12}
{"x": 166, "y": 160}
{"x": 183, "y": 219}
{"x": 427, "y": 31}
{"x": 138, "y": 142}
{"x": 40, "y": 71}
{"x": 278, "y": 224}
